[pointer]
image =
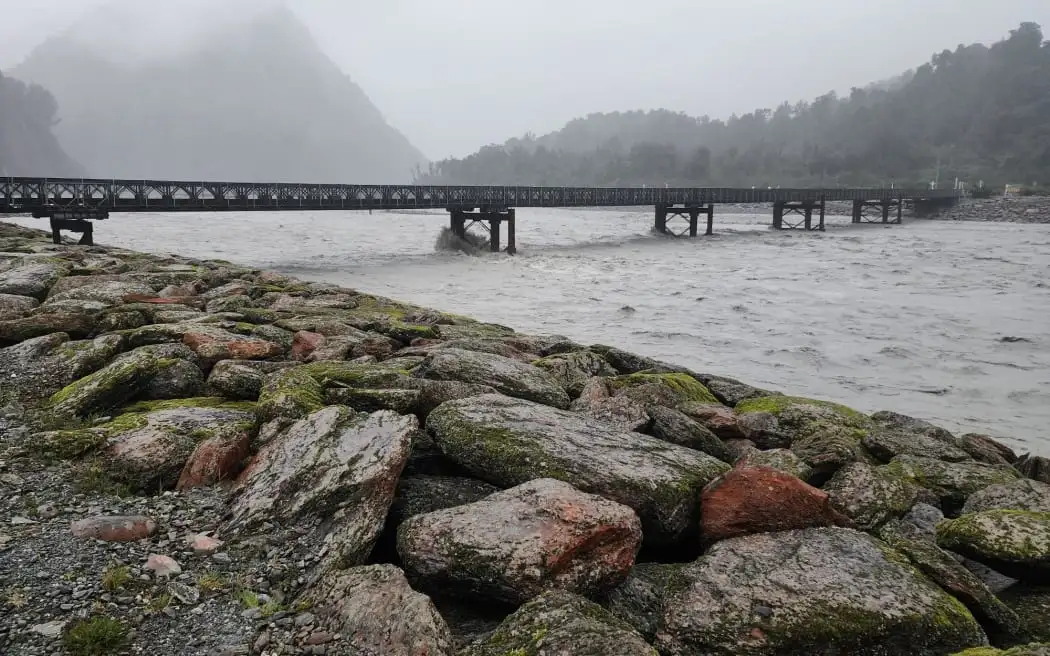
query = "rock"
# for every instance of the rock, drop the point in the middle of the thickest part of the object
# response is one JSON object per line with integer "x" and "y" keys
{"x": 149, "y": 450}
{"x": 39, "y": 367}
{"x": 213, "y": 344}
{"x": 332, "y": 475}
{"x": 1036, "y": 468}
{"x": 761, "y": 500}
{"x": 204, "y": 545}
{"x": 639, "y": 600}
{"x": 557, "y": 623}
{"x": 868, "y": 495}
{"x": 105, "y": 291}
{"x": 217, "y": 458}
{"x": 124, "y": 379}
{"x": 730, "y": 391}
{"x": 289, "y": 394}
{"x": 1014, "y": 542}
{"x": 885, "y": 444}
{"x": 620, "y": 412}
{"x": 783, "y": 460}
{"x": 13, "y": 306}
{"x": 677, "y": 428}
{"x": 242, "y": 379}
{"x": 983, "y": 448}
{"x": 181, "y": 380}
{"x": 305, "y": 343}
{"x": 923, "y": 520}
{"x": 163, "y": 565}
{"x": 1032, "y": 605}
{"x": 186, "y": 594}
{"x": 573, "y": 370}
{"x": 668, "y": 389}
{"x": 812, "y": 591}
{"x": 763, "y": 429}
{"x": 1002, "y": 623}
{"x": 505, "y": 375}
{"x": 825, "y": 435}
{"x": 1033, "y": 649}
{"x": 75, "y": 325}
{"x": 625, "y": 362}
{"x": 1022, "y": 494}
{"x": 903, "y": 423}
{"x": 508, "y": 442}
{"x": 952, "y": 482}
{"x": 50, "y": 630}
{"x": 366, "y": 400}
{"x": 31, "y": 279}
{"x": 114, "y": 528}
{"x": 433, "y": 393}
{"x": 512, "y": 545}
{"x": 718, "y": 419}
{"x": 417, "y": 495}
{"x": 372, "y": 610}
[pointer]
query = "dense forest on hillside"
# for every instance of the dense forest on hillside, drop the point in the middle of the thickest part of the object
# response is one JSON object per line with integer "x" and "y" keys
{"x": 27, "y": 145}
{"x": 258, "y": 102}
{"x": 978, "y": 113}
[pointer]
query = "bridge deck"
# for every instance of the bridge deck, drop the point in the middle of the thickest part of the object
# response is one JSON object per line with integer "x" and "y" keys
{"x": 32, "y": 194}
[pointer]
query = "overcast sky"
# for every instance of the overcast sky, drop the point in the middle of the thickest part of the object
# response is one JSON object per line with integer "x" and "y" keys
{"x": 454, "y": 75}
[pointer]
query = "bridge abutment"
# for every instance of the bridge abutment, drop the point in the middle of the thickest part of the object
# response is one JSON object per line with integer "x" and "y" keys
{"x": 73, "y": 220}
{"x": 461, "y": 220}
{"x": 886, "y": 210}
{"x": 684, "y": 220}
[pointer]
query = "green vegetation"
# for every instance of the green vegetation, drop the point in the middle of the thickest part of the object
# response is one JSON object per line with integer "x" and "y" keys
{"x": 115, "y": 577}
{"x": 976, "y": 113}
{"x": 211, "y": 582}
{"x": 98, "y": 636}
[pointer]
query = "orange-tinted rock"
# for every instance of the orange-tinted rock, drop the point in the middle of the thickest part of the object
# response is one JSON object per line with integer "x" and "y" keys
{"x": 213, "y": 345}
{"x": 215, "y": 459}
{"x": 114, "y": 528}
{"x": 305, "y": 343}
{"x": 143, "y": 298}
{"x": 762, "y": 500}
{"x": 512, "y": 545}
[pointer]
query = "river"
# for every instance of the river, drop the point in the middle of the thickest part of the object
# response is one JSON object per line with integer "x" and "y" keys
{"x": 948, "y": 321}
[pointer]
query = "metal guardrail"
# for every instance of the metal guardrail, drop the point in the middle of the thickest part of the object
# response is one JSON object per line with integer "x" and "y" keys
{"x": 32, "y": 194}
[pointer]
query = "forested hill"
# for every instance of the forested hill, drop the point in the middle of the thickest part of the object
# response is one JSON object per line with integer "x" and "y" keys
{"x": 979, "y": 113}
{"x": 27, "y": 145}
{"x": 257, "y": 100}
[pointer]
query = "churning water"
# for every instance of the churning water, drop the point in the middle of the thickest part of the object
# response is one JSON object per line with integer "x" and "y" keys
{"x": 945, "y": 321}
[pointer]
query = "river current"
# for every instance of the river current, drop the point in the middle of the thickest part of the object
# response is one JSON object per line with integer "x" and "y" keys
{"x": 948, "y": 321}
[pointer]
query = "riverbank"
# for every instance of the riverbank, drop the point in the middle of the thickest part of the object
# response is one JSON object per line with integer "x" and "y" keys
{"x": 203, "y": 458}
{"x": 1022, "y": 209}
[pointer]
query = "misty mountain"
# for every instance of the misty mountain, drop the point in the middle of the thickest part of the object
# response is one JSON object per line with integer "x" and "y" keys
{"x": 255, "y": 101}
{"x": 977, "y": 113}
{"x": 27, "y": 145}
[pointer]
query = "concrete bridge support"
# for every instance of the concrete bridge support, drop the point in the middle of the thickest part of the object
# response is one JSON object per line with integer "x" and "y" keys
{"x": 462, "y": 220}
{"x": 689, "y": 214}
{"x": 878, "y": 211}
{"x": 798, "y": 215}
{"x": 74, "y": 221}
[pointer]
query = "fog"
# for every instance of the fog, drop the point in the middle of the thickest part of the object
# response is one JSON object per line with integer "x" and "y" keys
{"x": 456, "y": 74}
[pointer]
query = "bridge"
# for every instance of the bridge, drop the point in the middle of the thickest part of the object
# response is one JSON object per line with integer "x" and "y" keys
{"x": 72, "y": 204}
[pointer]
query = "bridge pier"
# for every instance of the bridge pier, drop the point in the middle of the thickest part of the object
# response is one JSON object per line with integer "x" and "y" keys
{"x": 803, "y": 209}
{"x": 73, "y": 220}
{"x": 689, "y": 214}
{"x": 878, "y": 211}
{"x": 460, "y": 220}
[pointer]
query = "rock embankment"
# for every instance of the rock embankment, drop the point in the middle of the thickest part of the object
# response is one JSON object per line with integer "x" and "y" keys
{"x": 1021, "y": 209}
{"x": 201, "y": 458}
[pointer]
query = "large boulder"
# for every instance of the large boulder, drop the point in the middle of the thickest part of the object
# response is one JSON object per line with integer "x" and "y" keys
{"x": 720, "y": 420}
{"x": 126, "y": 378}
{"x": 943, "y": 569}
{"x": 561, "y": 623}
{"x": 825, "y": 435}
{"x": 372, "y": 611}
{"x": 903, "y": 423}
{"x": 13, "y": 306}
{"x": 868, "y": 495}
{"x": 814, "y": 591}
{"x": 510, "y": 377}
{"x": 573, "y": 370}
{"x": 761, "y": 500}
{"x": 984, "y": 448}
{"x": 1034, "y": 467}
{"x": 1021, "y": 494}
{"x": 31, "y": 279}
{"x": 675, "y": 427}
{"x": 783, "y": 460}
{"x": 242, "y": 379}
{"x": 508, "y": 442}
{"x": 887, "y": 443}
{"x": 1014, "y": 542}
{"x": 639, "y": 600}
{"x": 731, "y": 391}
{"x": 668, "y": 389}
{"x": 596, "y": 401}
{"x": 952, "y": 482}
{"x": 512, "y": 545}
{"x": 39, "y": 367}
{"x": 1032, "y": 605}
{"x": 75, "y": 324}
{"x": 331, "y": 476}
{"x": 105, "y": 291}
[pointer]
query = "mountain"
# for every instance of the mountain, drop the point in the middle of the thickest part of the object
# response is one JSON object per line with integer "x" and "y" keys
{"x": 252, "y": 100}
{"x": 978, "y": 113}
{"x": 27, "y": 145}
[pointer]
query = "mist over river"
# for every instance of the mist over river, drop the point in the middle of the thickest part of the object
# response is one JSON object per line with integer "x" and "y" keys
{"x": 947, "y": 321}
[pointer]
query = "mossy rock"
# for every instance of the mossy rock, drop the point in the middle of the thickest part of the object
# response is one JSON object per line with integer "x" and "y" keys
{"x": 508, "y": 376}
{"x": 559, "y": 622}
{"x": 668, "y": 389}
{"x": 289, "y": 394}
{"x": 869, "y": 495}
{"x": 573, "y": 370}
{"x": 400, "y": 401}
{"x": 952, "y": 482}
{"x": 1032, "y": 605}
{"x": 639, "y": 601}
{"x": 1014, "y": 542}
{"x": 1033, "y": 649}
{"x": 783, "y": 460}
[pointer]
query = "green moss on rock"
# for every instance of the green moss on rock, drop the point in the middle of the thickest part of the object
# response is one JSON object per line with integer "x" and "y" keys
{"x": 1015, "y": 542}
{"x": 686, "y": 388}
{"x": 777, "y": 404}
